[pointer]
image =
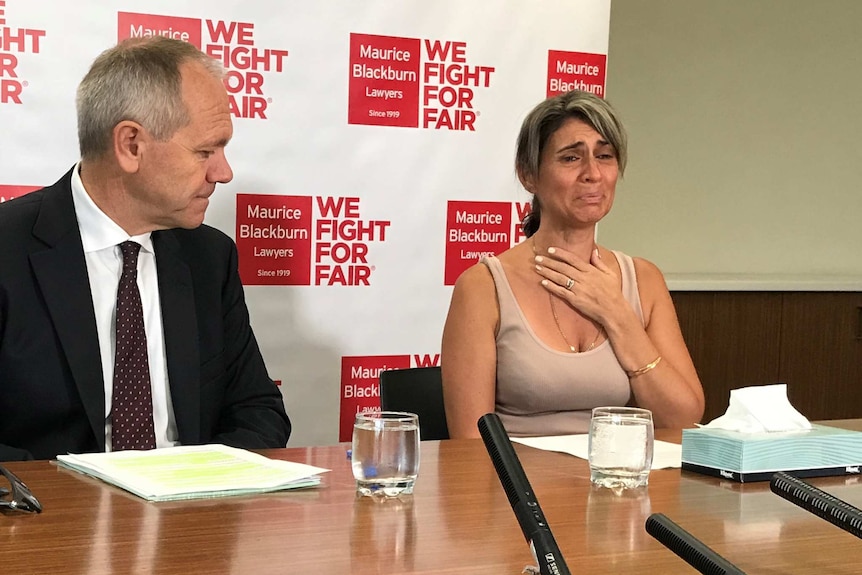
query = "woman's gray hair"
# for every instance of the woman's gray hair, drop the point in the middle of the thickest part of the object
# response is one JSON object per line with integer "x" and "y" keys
{"x": 546, "y": 118}
{"x": 138, "y": 80}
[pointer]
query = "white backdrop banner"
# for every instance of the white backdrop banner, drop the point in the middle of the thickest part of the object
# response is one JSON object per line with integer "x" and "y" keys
{"x": 373, "y": 150}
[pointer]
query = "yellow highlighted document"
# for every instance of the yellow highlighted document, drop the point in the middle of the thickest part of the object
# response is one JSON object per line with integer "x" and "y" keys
{"x": 193, "y": 472}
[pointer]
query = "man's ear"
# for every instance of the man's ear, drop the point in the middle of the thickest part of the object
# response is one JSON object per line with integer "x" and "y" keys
{"x": 128, "y": 143}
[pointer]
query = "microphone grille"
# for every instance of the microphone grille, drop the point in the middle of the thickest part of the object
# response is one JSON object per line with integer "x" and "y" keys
{"x": 493, "y": 448}
{"x": 818, "y": 502}
{"x": 674, "y": 541}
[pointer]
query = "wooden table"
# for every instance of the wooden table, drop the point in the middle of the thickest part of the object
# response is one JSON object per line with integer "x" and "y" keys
{"x": 458, "y": 521}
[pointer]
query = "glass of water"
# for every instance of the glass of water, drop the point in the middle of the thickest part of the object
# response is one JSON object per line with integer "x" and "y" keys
{"x": 385, "y": 455}
{"x": 621, "y": 447}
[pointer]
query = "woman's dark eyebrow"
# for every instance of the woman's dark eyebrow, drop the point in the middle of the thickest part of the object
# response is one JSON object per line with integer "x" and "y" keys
{"x": 574, "y": 146}
{"x": 581, "y": 144}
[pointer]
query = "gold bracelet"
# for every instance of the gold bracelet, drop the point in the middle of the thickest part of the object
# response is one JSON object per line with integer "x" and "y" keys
{"x": 644, "y": 369}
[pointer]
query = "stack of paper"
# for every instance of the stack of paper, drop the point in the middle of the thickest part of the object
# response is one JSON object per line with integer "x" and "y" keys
{"x": 193, "y": 471}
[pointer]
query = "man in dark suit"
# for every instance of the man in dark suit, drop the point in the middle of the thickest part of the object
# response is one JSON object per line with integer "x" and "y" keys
{"x": 153, "y": 122}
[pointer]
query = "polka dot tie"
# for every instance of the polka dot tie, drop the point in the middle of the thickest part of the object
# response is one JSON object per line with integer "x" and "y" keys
{"x": 132, "y": 401}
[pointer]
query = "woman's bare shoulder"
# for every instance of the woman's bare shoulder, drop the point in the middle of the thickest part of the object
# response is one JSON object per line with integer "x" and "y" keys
{"x": 652, "y": 288}
{"x": 649, "y": 275}
{"x": 476, "y": 277}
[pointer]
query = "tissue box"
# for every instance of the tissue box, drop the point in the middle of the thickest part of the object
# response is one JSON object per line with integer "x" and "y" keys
{"x": 746, "y": 457}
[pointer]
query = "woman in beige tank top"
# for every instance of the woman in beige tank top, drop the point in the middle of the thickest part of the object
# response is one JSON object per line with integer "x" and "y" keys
{"x": 557, "y": 324}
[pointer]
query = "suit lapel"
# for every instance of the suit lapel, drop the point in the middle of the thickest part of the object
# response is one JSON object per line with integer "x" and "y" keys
{"x": 179, "y": 320}
{"x": 61, "y": 273}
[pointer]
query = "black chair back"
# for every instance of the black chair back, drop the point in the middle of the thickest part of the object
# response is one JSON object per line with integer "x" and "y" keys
{"x": 418, "y": 390}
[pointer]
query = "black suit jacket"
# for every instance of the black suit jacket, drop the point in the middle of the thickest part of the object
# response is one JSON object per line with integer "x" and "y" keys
{"x": 52, "y": 397}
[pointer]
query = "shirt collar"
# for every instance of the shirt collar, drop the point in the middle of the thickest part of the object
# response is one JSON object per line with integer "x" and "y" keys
{"x": 98, "y": 231}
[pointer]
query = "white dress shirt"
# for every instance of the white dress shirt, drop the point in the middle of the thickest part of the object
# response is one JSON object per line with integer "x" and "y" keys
{"x": 101, "y": 237}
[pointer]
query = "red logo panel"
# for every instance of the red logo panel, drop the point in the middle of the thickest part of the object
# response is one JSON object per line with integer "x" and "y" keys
{"x": 360, "y": 386}
{"x": 384, "y": 81}
{"x": 576, "y": 71}
{"x": 273, "y": 237}
{"x": 475, "y": 230}
{"x": 131, "y": 25}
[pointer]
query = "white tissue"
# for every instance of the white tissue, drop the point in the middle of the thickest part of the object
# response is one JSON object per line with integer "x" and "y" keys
{"x": 758, "y": 409}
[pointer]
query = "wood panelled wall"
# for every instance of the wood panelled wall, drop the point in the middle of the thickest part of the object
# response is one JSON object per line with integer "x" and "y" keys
{"x": 812, "y": 341}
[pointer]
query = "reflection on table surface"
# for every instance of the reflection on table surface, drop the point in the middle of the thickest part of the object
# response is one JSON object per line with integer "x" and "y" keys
{"x": 458, "y": 521}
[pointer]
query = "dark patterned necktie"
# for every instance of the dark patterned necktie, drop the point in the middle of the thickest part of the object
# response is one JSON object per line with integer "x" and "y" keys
{"x": 132, "y": 401}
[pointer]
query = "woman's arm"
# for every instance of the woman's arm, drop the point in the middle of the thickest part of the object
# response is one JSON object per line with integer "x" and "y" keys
{"x": 469, "y": 352}
{"x": 672, "y": 389}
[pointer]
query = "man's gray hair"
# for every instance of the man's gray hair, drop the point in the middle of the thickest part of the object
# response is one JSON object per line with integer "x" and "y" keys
{"x": 139, "y": 80}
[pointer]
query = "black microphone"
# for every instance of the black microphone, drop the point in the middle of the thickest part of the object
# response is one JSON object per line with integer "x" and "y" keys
{"x": 818, "y": 502}
{"x": 688, "y": 547}
{"x": 521, "y": 497}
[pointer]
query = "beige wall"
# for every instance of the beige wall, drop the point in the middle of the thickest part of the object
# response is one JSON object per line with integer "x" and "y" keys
{"x": 745, "y": 120}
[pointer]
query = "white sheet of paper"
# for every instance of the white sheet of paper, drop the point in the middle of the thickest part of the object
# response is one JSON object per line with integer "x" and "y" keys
{"x": 665, "y": 455}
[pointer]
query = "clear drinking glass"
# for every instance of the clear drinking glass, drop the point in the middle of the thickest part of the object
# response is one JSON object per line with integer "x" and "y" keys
{"x": 385, "y": 456}
{"x": 620, "y": 446}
